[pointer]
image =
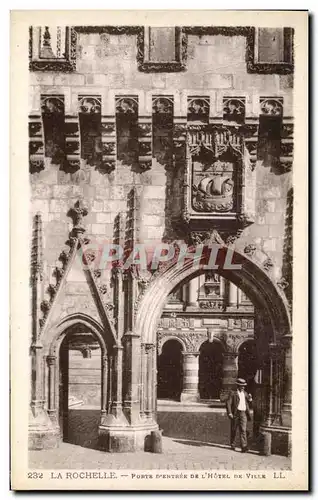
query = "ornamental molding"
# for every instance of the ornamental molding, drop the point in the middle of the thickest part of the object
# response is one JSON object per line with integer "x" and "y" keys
{"x": 68, "y": 63}
{"x": 219, "y": 182}
{"x": 77, "y": 245}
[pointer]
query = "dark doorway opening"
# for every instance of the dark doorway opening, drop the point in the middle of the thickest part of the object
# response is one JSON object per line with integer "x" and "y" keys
{"x": 210, "y": 370}
{"x": 170, "y": 371}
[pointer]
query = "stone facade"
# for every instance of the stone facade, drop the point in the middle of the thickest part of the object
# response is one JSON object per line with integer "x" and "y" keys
{"x": 119, "y": 147}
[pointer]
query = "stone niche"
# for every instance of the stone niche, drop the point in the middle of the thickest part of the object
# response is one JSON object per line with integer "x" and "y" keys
{"x": 219, "y": 179}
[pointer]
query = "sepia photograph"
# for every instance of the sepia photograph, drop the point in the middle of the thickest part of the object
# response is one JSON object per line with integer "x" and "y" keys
{"x": 160, "y": 196}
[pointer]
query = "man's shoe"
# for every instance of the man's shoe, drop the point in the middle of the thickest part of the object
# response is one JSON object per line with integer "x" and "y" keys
{"x": 244, "y": 450}
{"x": 233, "y": 447}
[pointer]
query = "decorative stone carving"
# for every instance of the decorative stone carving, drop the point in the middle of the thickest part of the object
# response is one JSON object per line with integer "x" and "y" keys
{"x": 250, "y": 250}
{"x": 212, "y": 284}
{"x": 190, "y": 339}
{"x": 52, "y": 104}
{"x": 97, "y": 273}
{"x": 198, "y": 109}
{"x": 283, "y": 283}
{"x": 52, "y": 289}
{"x": 45, "y": 308}
{"x": 127, "y": 105}
{"x": 103, "y": 289}
{"x": 213, "y": 188}
{"x": 211, "y": 304}
{"x": 162, "y": 105}
{"x": 206, "y": 237}
{"x": 233, "y": 341}
{"x": 272, "y": 106}
{"x": 37, "y": 250}
{"x": 234, "y": 109}
{"x": 77, "y": 213}
{"x": 41, "y": 55}
{"x": 218, "y": 181}
{"x": 89, "y": 105}
{"x": 268, "y": 264}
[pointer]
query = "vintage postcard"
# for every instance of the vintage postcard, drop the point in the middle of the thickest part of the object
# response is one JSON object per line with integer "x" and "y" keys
{"x": 159, "y": 250}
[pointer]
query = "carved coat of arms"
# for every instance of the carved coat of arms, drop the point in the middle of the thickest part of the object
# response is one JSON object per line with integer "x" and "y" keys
{"x": 213, "y": 186}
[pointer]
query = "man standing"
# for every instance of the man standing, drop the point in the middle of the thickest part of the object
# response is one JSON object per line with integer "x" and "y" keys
{"x": 238, "y": 410}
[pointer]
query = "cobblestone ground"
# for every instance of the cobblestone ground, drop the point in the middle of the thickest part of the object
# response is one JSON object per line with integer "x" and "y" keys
{"x": 193, "y": 439}
{"x": 177, "y": 455}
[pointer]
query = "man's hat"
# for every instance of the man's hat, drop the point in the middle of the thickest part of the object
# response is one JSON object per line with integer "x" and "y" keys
{"x": 241, "y": 382}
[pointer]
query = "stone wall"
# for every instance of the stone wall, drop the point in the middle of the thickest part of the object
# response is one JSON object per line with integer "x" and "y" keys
{"x": 107, "y": 66}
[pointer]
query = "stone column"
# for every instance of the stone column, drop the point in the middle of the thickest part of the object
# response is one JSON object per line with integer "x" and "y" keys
{"x": 190, "y": 387}
{"x": 222, "y": 288}
{"x": 150, "y": 375}
{"x": 230, "y": 371}
{"x": 132, "y": 375}
{"x": 143, "y": 381}
{"x": 117, "y": 390}
{"x": 287, "y": 384}
{"x": 232, "y": 295}
{"x": 104, "y": 383}
{"x": 37, "y": 389}
{"x": 51, "y": 362}
{"x": 268, "y": 415}
{"x": 193, "y": 292}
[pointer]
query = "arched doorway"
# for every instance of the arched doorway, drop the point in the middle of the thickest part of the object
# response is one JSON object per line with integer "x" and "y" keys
{"x": 273, "y": 337}
{"x": 78, "y": 358}
{"x": 210, "y": 370}
{"x": 80, "y": 387}
{"x": 170, "y": 371}
{"x": 248, "y": 364}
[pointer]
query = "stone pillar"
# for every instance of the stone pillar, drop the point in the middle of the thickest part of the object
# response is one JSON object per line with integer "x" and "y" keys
{"x": 132, "y": 375}
{"x": 143, "y": 382}
{"x": 150, "y": 395}
{"x": 116, "y": 405}
{"x": 51, "y": 362}
{"x": 222, "y": 288}
{"x": 232, "y": 295}
{"x": 37, "y": 377}
{"x": 104, "y": 383}
{"x": 193, "y": 292}
{"x": 43, "y": 432}
{"x": 230, "y": 372}
{"x": 287, "y": 384}
{"x": 190, "y": 387}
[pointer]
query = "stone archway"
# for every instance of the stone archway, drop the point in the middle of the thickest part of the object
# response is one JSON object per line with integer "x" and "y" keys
{"x": 47, "y": 359}
{"x": 273, "y": 338}
{"x": 58, "y": 383}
